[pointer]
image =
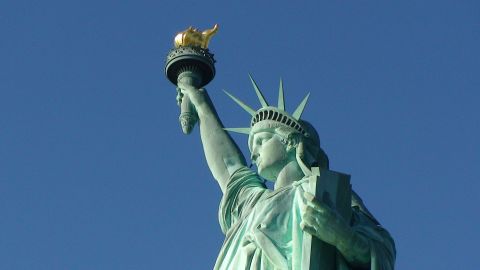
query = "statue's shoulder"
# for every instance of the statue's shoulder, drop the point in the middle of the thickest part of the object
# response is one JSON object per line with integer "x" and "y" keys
{"x": 358, "y": 205}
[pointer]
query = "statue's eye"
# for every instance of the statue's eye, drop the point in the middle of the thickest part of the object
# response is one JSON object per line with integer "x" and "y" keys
{"x": 260, "y": 141}
{"x": 265, "y": 139}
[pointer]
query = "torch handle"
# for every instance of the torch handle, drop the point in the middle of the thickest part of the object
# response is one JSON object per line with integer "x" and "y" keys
{"x": 188, "y": 115}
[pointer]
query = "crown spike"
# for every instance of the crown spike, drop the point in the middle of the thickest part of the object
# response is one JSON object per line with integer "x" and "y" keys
{"x": 239, "y": 130}
{"x": 243, "y": 105}
{"x": 281, "y": 99}
{"x": 299, "y": 110}
{"x": 259, "y": 93}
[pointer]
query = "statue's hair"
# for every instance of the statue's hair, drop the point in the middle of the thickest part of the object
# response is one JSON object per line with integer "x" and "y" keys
{"x": 312, "y": 147}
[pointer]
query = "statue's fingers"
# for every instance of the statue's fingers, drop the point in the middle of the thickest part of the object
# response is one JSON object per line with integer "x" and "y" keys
{"x": 179, "y": 98}
{"x": 180, "y": 90}
{"x": 181, "y": 85}
{"x": 318, "y": 205}
{"x": 307, "y": 228}
{"x": 185, "y": 87}
{"x": 311, "y": 219}
{"x": 310, "y": 210}
{"x": 317, "y": 217}
{"x": 323, "y": 210}
{"x": 324, "y": 214}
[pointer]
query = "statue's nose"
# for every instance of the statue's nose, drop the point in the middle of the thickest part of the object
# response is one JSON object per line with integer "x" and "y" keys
{"x": 254, "y": 157}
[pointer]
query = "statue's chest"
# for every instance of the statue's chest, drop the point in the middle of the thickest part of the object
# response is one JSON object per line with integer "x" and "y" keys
{"x": 274, "y": 217}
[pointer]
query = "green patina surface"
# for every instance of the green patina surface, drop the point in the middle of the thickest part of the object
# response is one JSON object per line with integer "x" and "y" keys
{"x": 311, "y": 219}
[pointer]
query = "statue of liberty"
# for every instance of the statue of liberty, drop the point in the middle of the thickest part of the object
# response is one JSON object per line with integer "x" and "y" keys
{"x": 264, "y": 228}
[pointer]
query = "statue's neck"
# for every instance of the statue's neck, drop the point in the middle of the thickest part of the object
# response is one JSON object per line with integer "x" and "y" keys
{"x": 289, "y": 174}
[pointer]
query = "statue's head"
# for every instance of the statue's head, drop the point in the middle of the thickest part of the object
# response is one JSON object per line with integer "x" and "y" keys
{"x": 277, "y": 138}
{"x": 273, "y": 145}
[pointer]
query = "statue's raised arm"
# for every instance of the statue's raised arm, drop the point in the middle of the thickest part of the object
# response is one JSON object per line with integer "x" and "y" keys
{"x": 222, "y": 154}
{"x": 190, "y": 66}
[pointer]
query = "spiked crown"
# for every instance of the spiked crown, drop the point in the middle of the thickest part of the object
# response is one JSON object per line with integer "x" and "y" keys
{"x": 270, "y": 113}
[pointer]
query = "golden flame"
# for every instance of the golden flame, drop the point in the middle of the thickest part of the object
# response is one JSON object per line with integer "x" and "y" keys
{"x": 195, "y": 38}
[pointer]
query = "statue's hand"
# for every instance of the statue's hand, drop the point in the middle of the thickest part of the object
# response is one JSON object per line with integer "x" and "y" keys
{"x": 179, "y": 96}
{"x": 197, "y": 96}
{"x": 324, "y": 222}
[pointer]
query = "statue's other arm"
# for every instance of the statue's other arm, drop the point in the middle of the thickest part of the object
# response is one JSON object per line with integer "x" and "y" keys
{"x": 363, "y": 243}
{"x": 222, "y": 153}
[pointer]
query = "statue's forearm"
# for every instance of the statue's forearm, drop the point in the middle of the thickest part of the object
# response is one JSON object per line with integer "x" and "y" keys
{"x": 222, "y": 154}
{"x": 355, "y": 248}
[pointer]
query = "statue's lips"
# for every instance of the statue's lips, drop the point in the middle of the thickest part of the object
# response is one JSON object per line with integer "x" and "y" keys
{"x": 257, "y": 162}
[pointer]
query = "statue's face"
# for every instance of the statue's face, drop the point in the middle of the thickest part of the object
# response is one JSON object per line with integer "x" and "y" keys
{"x": 269, "y": 154}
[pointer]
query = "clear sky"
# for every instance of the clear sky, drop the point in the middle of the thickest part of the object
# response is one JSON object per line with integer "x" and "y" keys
{"x": 95, "y": 172}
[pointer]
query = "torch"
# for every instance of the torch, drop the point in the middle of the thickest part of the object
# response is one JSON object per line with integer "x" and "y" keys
{"x": 191, "y": 63}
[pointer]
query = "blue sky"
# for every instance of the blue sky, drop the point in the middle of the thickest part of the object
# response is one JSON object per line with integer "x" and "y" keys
{"x": 96, "y": 174}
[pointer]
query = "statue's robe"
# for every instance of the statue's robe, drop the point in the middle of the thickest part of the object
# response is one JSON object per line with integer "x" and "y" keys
{"x": 263, "y": 232}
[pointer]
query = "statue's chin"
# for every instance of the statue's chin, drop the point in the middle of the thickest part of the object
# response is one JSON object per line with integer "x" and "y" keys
{"x": 266, "y": 174}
